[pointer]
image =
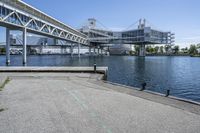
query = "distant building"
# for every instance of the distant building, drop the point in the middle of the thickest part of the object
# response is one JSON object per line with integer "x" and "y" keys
{"x": 120, "y": 49}
{"x": 198, "y": 50}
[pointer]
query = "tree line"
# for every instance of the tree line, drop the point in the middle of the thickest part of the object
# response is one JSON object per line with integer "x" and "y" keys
{"x": 168, "y": 49}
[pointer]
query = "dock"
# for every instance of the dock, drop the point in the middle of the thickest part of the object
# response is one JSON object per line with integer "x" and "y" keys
{"x": 101, "y": 70}
{"x": 81, "y": 102}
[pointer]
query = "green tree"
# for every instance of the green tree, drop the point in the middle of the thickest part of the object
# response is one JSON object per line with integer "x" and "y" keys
{"x": 152, "y": 50}
{"x": 2, "y": 50}
{"x": 176, "y": 49}
{"x": 137, "y": 49}
{"x": 193, "y": 50}
{"x": 184, "y": 50}
{"x": 148, "y": 48}
{"x": 156, "y": 49}
{"x": 161, "y": 49}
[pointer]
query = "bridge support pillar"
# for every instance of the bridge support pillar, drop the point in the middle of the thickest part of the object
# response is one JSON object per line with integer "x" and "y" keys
{"x": 98, "y": 51}
{"x": 108, "y": 51}
{"x": 7, "y": 46}
{"x": 55, "y": 41}
{"x": 41, "y": 49}
{"x": 94, "y": 51}
{"x": 79, "y": 55}
{"x": 101, "y": 51}
{"x": 24, "y": 45}
{"x": 89, "y": 51}
{"x": 142, "y": 50}
{"x": 71, "y": 50}
{"x": 63, "y": 49}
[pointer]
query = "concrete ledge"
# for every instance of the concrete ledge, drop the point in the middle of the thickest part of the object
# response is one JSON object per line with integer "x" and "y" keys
{"x": 154, "y": 93}
{"x": 100, "y": 70}
{"x": 2, "y": 79}
{"x": 184, "y": 104}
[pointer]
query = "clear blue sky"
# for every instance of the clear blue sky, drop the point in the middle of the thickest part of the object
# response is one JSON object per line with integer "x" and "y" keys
{"x": 179, "y": 16}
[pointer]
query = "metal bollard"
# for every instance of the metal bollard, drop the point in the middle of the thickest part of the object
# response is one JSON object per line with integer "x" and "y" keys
{"x": 167, "y": 93}
{"x": 143, "y": 86}
{"x": 95, "y": 67}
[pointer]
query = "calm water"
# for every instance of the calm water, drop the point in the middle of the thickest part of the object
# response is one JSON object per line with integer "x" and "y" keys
{"x": 179, "y": 74}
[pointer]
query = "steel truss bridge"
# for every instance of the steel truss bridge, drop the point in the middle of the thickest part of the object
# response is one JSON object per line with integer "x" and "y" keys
{"x": 17, "y": 15}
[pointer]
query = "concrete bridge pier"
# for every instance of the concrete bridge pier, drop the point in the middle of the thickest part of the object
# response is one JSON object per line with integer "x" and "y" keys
{"x": 142, "y": 50}
{"x": 41, "y": 49}
{"x": 101, "y": 51}
{"x": 89, "y": 51}
{"x": 55, "y": 41}
{"x": 24, "y": 46}
{"x": 71, "y": 50}
{"x": 108, "y": 51}
{"x": 79, "y": 55}
{"x": 8, "y": 46}
{"x": 63, "y": 49}
{"x": 98, "y": 51}
{"x": 94, "y": 51}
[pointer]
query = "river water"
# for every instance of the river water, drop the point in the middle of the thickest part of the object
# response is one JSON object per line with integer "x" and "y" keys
{"x": 179, "y": 74}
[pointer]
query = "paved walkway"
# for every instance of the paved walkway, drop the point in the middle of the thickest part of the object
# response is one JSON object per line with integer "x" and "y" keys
{"x": 79, "y": 103}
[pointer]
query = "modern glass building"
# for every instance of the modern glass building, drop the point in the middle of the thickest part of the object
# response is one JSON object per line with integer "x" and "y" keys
{"x": 141, "y": 36}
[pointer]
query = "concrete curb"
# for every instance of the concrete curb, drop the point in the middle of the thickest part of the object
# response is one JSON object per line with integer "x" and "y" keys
{"x": 155, "y": 93}
{"x": 100, "y": 70}
{"x": 2, "y": 80}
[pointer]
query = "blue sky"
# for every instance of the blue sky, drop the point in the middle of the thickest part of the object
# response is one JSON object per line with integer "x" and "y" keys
{"x": 179, "y": 16}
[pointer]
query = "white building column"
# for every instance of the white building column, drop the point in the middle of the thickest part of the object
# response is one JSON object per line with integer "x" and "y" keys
{"x": 24, "y": 45}
{"x": 142, "y": 50}
{"x": 7, "y": 46}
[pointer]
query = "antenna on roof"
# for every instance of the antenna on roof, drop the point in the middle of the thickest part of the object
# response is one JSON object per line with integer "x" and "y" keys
{"x": 142, "y": 24}
{"x": 92, "y": 22}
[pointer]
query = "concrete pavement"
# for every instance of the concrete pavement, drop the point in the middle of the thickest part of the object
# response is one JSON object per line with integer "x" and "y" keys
{"x": 82, "y": 103}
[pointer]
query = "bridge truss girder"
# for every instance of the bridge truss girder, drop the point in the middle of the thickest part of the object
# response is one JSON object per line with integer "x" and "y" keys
{"x": 15, "y": 19}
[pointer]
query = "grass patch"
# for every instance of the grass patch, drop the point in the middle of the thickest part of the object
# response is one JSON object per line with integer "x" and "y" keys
{"x": 4, "y": 83}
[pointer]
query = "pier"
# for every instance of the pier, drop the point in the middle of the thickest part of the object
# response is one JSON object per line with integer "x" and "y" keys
{"x": 82, "y": 102}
